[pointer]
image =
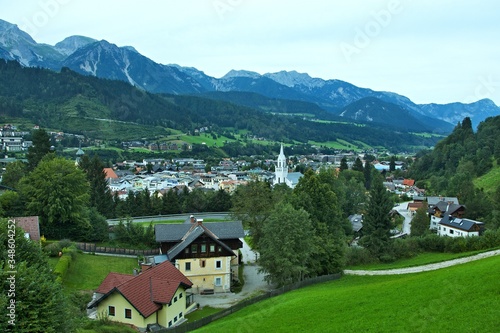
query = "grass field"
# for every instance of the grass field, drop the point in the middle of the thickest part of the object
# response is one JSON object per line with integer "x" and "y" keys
{"x": 462, "y": 298}
{"x": 490, "y": 181}
{"x": 87, "y": 271}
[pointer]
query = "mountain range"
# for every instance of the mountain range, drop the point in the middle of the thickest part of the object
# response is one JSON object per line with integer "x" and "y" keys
{"x": 102, "y": 59}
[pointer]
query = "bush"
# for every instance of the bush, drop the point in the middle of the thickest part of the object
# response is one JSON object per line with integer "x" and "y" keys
{"x": 71, "y": 251}
{"x": 455, "y": 244}
{"x": 53, "y": 249}
{"x": 431, "y": 243}
{"x": 62, "y": 267}
{"x": 490, "y": 239}
{"x": 405, "y": 248}
{"x": 359, "y": 256}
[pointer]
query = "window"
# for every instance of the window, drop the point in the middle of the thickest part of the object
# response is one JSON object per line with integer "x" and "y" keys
{"x": 188, "y": 266}
{"x": 219, "y": 248}
{"x": 169, "y": 323}
{"x": 218, "y": 281}
{"x": 194, "y": 248}
{"x": 218, "y": 264}
{"x": 186, "y": 250}
{"x": 203, "y": 248}
{"x": 180, "y": 295}
{"x": 212, "y": 247}
{"x": 175, "y": 299}
{"x": 202, "y": 263}
{"x": 180, "y": 315}
{"x": 451, "y": 231}
{"x": 111, "y": 311}
{"x": 128, "y": 313}
{"x": 175, "y": 319}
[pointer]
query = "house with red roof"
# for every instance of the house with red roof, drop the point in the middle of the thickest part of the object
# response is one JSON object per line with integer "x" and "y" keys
{"x": 156, "y": 296}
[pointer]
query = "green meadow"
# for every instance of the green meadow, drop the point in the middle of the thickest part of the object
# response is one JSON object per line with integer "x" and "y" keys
{"x": 462, "y": 298}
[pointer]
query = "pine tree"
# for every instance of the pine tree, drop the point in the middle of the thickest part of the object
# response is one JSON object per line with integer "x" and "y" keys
{"x": 358, "y": 165}
{"x": 343, "y": 164}
{"x": 376, "y": 221}
{"x": 41, "y": 147}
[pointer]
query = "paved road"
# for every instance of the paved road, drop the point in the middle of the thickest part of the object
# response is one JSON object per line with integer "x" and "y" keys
{"x": 424, "y": 268}
{"x": 221, "y": 216}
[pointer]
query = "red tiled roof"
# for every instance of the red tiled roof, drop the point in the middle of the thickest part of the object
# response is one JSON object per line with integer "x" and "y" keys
{"x": 30, "y": 225}
{"x": 147, "y": 291}
{"x": 408, "y": 182}
{"x": 113, "y": 280}
{"x": 110, "y": 173}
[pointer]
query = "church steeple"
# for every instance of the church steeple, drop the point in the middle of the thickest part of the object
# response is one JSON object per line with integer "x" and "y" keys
{"x": 281, "y": 169}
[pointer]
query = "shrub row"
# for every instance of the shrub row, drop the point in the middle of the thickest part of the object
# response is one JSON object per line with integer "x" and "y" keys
{"x": 62, "y": 267}
{"x": 412, "y": 246}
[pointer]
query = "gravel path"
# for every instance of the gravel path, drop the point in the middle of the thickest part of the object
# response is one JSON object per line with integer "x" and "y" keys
{"x": 424, "y": 268}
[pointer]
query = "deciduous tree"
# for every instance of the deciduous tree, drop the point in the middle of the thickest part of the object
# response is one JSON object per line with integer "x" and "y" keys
{"x": 286, "y": 245}
{"x": 58, "y": 192}
{"x": 420, "y": 222}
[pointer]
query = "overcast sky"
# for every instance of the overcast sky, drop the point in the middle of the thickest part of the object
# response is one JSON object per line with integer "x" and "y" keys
{"x": 430, "y": 51}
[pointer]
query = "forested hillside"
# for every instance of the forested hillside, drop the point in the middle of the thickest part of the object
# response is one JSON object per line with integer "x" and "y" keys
{"x": 106, "y": 109}
{"x": 451, "y": 167}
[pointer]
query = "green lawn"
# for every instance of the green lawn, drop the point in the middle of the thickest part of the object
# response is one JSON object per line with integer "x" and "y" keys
{"x": 201, "y": 313}
{"x": 421, "y": 259}
{"x": 463, "y": 298}
{"x": 87, "y": 271}
{"x": 490, "y": 181}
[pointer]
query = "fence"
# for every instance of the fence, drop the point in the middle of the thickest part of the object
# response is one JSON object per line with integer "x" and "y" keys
{"x": 207, "y": 320}
{"x": 91, "y": 247}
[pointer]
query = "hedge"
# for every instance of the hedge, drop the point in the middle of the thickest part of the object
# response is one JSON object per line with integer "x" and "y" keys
{"x": 62, "y": 267}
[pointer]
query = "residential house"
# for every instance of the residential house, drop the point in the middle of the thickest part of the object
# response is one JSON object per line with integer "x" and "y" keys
{"x": 207, "y": 253}
{"x": 441, "y": 209}
{"x": 459, "y": 227}
{"x": 30, "y": 225}
{"x": 158, "y": 295}
{"x": 357, "y": 223}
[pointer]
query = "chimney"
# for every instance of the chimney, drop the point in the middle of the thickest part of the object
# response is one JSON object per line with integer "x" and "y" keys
{"x": 199, "y": 221}
{"x": 193, "y": 220}
{"x": 145, "y": 267}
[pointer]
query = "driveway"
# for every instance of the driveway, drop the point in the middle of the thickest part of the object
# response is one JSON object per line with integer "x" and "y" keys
{"x": 254, "y": 283}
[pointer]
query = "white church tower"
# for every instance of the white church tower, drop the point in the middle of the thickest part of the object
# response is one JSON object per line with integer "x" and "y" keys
{"x": 281, "y": 169}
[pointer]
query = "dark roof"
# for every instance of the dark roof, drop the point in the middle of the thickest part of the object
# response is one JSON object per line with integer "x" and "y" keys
{"x": 193, "y": 233}
{"x": 147, "y": 291}
{"x": 356, "y": 222}
{"x": 176, "y": 232}
{"x": 447, "y": 207}
{"x": 435, "y": 200}
{"x": 458, "y": 223}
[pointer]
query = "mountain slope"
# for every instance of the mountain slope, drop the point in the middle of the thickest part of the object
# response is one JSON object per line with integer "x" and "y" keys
{"x": 18, "y": 45}
{"x": 106, "y": 60}
{"x": 374, "y": 110}
{"x": 87, "y": 105}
